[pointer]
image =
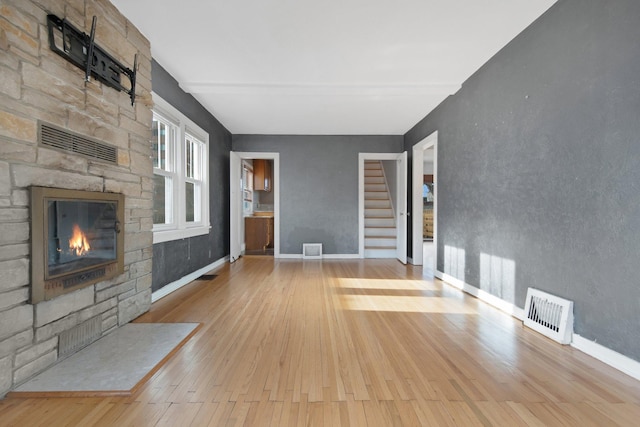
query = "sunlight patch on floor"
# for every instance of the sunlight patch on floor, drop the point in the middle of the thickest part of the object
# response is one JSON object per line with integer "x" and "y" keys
{"x": 359, "y": 283}
{"x": 408, "y": 304}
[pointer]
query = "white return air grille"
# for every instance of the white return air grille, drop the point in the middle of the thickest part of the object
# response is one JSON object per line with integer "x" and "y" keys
{"x": 61, "y": 139}
{"x": 550, "y": 315}
{"x": 74, "y": 339}
{"x": 312, "y": 251}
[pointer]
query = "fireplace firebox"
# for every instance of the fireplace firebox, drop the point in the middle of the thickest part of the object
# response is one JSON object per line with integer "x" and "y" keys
{"x": 76, "y": 240}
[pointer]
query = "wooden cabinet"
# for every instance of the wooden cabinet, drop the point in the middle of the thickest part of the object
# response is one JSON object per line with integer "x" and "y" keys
{"x": 258, "y": 232}
{"x": 262, "y": 180}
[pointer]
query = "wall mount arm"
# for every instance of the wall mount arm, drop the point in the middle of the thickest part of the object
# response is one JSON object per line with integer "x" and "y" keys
{"x": 81, "y": 50}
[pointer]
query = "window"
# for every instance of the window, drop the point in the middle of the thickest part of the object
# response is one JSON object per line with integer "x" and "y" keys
{"x": 194, "y": 163}
{"x": 164, "y": 171}
{"x": 180, "y": 175}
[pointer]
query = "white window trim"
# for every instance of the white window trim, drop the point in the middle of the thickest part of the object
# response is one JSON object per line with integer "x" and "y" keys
{"x": 180, "y": 229}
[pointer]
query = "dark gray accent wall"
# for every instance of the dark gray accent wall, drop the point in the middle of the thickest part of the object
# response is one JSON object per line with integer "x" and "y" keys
{"x": 318, "y": 186}
{"x": 539, "y": 169}
{"x": 175, "y": 259}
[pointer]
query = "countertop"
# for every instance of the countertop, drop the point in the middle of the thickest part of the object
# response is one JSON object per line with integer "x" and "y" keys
{"x": 261, "y": 214}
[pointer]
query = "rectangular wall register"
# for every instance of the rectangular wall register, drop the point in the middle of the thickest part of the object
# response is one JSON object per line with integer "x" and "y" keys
{"x": 312, "y": 251}
{"x": 76, "y": 240}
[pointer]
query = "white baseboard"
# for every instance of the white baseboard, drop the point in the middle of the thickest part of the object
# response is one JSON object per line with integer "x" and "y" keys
{"x": 597, "y": 351}
{"x": 606, "y": 355}
{"x": 324, "y": 256}
{"x": 341, "y": 256}
{"x": 174, "y": 286}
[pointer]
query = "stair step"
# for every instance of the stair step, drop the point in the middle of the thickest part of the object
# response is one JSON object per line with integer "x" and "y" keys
{"x": 379, "y": 231}
{"x": 377, "y": 203}
{"x": 375, "y": 187}
{"x": 379, "y": 222}
{"x": 374, "y": 180}
{"x": 378, "y": 213}
{"x": 381, "y": 247}
{"x": 380, "y": 195}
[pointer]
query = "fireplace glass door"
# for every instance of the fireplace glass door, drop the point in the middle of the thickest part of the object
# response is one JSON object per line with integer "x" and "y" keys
{"x": 76, "y": 240}
{"x": 80, "y": 235}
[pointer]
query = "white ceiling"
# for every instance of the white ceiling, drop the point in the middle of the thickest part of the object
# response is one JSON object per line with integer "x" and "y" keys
{"x": 325, "y": 67}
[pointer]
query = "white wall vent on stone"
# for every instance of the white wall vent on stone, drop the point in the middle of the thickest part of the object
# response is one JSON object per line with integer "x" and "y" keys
{"x": 312, "y": 251}
{"x": 78, "y": 337}
{"x": 62, "y": 139}
{"x": 550, "y": 315}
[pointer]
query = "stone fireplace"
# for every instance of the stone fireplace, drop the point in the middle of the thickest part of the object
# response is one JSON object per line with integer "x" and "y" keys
{"x": 50, "y": 289}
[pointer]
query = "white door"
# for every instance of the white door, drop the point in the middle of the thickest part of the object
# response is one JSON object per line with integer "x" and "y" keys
{"x": 430, "y": 142}
{"x": 235, "y": 186}
{"x": 401, "y": 241}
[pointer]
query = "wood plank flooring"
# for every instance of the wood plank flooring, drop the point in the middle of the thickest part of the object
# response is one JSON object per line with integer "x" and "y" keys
{"x": 349, "y": 342}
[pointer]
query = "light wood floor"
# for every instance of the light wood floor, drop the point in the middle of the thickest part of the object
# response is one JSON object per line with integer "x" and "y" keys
{"x": 354, "y": 342}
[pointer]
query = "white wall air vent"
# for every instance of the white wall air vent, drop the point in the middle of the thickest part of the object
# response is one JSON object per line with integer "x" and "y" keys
{"x": 62, "y": 139}
{"x": 550, "y": 315}
{"x": 312, "y": 251}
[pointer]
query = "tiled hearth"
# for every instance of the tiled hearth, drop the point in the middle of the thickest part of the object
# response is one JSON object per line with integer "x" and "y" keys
{"x": 38, "y": 86}
{"x": 116, "y": 364}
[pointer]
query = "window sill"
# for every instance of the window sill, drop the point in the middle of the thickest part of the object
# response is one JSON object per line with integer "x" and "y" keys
{"x": 169, "y": 235}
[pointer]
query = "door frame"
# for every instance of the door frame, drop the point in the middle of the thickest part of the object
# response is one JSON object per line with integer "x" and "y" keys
{"x": 416, "y": 192}
{"x": 235, "y": 203}
{"x": 401, "y": 200}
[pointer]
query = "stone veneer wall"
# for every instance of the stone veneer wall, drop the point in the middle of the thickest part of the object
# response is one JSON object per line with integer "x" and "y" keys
{"x": 37, "y": 84}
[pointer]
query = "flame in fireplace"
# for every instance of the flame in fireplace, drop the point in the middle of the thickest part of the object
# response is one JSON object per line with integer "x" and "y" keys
{"x": 78, "y": 242}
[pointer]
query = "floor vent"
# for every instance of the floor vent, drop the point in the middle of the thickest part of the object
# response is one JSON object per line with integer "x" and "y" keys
{"x": 61, "y": 139}
{"x": 78, "y": 337}
{"x": 550, "y": 315}
{"x": 312, "y": 251}
{"x": 207, "y": 277}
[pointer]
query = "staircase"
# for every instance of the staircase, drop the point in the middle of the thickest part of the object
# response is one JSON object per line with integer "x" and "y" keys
{"x": 379, "y": 220}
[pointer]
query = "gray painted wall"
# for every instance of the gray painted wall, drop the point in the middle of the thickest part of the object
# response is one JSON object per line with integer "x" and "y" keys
{"x": 175, "y": 259}
{"x": 539, "y": 169}
{"x": 318, "y": 186}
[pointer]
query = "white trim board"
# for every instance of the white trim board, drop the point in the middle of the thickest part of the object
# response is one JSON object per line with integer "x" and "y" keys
{"x": 429, "y": 142}
{"x": 174, "y": 286}
{"x": 612, "y": 358}
{"x": 608, "y": 356}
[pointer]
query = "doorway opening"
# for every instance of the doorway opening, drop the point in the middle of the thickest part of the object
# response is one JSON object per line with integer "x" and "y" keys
{"x": 257, "y": 207}
{"x": 383, "y": 205}
{"x": 425, "y": 203}
{"x": 254, "y": 204}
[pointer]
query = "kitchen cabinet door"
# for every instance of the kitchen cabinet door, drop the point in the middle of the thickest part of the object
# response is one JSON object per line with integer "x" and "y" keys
{"x": 262, "y": 180}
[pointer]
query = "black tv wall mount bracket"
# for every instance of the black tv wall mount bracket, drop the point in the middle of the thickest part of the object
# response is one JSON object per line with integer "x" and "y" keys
{"x": 81, "y": 50}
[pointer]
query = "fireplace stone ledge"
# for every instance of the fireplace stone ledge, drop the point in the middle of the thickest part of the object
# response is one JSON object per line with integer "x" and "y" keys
{"x": 57, "y": 308}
